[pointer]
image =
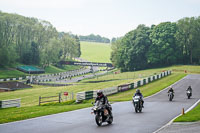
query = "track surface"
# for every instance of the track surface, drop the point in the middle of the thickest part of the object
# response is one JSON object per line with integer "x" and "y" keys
{"x": 157, "y": 112}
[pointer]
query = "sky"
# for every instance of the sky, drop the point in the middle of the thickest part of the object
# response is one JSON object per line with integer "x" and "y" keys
{"x": 108, "y": 18}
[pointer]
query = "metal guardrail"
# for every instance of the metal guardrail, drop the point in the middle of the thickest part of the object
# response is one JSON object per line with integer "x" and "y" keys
{"x": 10, "y": 103}
{"x": 112, "y": 90}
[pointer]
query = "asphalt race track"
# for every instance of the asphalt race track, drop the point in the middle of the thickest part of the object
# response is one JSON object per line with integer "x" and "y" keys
{"x": 157, "y": 112}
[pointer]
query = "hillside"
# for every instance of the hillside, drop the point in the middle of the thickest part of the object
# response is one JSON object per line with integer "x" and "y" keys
{"x": 95, "y": 52}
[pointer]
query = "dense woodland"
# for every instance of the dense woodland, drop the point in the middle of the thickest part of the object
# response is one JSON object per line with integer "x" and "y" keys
{"x": 94, "y": 38}
{"x": 159, "y": 45}
{"x": 32, "y": 41}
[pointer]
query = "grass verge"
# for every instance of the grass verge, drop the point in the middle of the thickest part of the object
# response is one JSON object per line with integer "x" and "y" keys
{"x": 191, "y": 116}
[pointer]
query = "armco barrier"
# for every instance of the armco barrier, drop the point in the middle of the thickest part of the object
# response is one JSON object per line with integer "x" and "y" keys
{"x": 138, "y": 84}
{"x": 123, "y": 87}
{"x": 88, "y": 94}
{"x": 112, "y": 90}
{"x": 80, "y": 96}
{"x": 10, "y": 103}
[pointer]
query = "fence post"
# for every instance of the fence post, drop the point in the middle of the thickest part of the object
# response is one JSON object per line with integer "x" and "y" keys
{"x": 59, "y": 97}
{"x": 72, "y": 95}
{"x": 39, "y": 100}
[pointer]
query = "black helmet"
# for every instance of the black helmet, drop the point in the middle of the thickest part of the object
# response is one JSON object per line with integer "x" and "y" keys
{"x": 99, "y": 93}
{"x": 137, "y": 91}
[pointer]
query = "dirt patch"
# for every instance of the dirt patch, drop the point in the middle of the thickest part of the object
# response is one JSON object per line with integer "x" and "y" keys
{"x": 10, "y": 86}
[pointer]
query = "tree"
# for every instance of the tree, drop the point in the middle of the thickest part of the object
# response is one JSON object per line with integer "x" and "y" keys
{"x": 163, "y": 50}
{"x": 188, "y": 38}
{"x": 130, "y": 52}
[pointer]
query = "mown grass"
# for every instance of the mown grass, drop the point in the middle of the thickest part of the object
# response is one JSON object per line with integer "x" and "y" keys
{"x": 191, "y": 116}
{"x": 53, "y": 69}
{"x": 15, "y": 114}
{"x": 96, "y": 52}
{"x": 13, "y": 73}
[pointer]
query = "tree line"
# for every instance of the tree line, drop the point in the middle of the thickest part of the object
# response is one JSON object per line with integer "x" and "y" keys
{"x": 33, "y": 41}
{"x": 94, "y": 38}
{"x": 160, "y": 45}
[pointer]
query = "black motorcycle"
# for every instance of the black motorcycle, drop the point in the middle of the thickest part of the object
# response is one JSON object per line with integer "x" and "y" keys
{"x": 189, "y": 94}
{"x": 102, "y": 114}
{"x": 171, "y": 96}
{"x": 137, "y": 103}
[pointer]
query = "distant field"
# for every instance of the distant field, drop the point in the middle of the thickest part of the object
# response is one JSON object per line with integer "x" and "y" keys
{"x": 96, "y": 52}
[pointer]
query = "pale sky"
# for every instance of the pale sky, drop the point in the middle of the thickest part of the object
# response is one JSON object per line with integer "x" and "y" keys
{"x": 108, "y": 18}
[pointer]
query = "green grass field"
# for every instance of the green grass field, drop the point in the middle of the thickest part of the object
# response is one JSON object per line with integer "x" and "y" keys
{"x": 96, "y": 52}
{"x": 191, "y": 116}
{"x": 53, "y": 69}
{"x": 11, "y": 74}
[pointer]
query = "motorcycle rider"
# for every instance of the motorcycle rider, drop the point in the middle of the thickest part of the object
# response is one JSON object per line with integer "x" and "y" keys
{"x": 170, "y": 90}
{"x": 104, "y": 99}
{"x": 189, "y": 89}
{"x": 138, "y": 93}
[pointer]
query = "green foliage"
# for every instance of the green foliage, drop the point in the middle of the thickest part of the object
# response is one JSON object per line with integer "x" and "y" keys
{"x": 94, "y": 38}
{"x": 161, "y": 45}
{"x": 163, "y": 50}
{"x": 188, "y": 38}
{"x": 32, "y": 41}
{"x": 129, "y": 53}
{"x": 191, "y": 116}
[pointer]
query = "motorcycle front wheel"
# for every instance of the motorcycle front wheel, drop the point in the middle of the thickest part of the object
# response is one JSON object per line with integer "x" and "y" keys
{"x": 98, "y": 120}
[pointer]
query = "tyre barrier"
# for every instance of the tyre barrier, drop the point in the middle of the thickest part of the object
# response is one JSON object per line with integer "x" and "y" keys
{"x": 40, "y": 76}
{"x": 10, "y": 103}
{"x": 80, "y": 96}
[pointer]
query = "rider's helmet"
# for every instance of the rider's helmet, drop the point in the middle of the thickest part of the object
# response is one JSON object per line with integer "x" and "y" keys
{"x": 99, "y": 93}
{"x": 137, "y": 91}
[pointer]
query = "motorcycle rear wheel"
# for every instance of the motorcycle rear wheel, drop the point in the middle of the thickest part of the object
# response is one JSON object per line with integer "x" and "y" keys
{"x": 110, "y": 120}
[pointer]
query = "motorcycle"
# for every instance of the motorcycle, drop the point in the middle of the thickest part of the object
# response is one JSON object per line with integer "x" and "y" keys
{"x": 171, "y": 96}
{"x": 137, "y": 103}
{"x": 102, "y": 114}
{"x": 189, "y": 94}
